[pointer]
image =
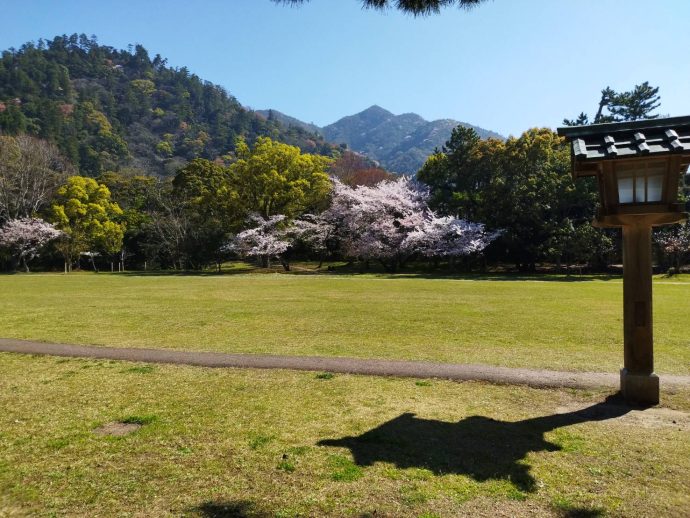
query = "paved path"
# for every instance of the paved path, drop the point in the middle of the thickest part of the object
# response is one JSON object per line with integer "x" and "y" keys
{"x": 413, "y": 369}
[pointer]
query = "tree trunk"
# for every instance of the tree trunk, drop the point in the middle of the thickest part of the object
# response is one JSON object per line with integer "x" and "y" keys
{"x": 93, "y": 263}
{"x": 26, "y": 266}
{"x": 391, "y": 267}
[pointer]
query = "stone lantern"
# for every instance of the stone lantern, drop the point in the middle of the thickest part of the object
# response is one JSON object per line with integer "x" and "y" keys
{"x": 638, "y": 167}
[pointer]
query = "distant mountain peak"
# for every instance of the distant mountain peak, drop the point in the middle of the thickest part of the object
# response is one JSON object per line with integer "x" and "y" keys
{"x": 400, "y": 143}
{"x": 375, "y": 108}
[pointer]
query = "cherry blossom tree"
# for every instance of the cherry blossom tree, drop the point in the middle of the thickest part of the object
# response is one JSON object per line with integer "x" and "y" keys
{"x": 450, "y": 237}
{"x": 267, "y": 240}
{"x": 26, "y": 237}
{"x": 315, "y": 232}
{"x": 391, "y": 222}
{"x": 374, "y": 222}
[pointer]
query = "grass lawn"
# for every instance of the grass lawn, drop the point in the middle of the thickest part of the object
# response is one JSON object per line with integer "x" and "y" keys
{"x": 279, "y": 443}
{"x": 551, "y": 322}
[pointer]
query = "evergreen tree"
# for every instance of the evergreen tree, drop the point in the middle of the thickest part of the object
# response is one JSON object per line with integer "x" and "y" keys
{"x": 637, "y": 104}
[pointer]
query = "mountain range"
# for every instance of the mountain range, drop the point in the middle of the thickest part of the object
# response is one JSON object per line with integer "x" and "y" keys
{"x": 399, "y": 143}
{"x": 112, "y": 110}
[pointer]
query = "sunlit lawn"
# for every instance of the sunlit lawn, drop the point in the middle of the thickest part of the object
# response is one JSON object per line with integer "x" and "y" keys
{"x": 248, "y": 443}
{"x": 550, "y": 322}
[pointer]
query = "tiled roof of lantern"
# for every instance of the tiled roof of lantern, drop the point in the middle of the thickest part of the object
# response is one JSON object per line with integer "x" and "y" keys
{"x": 616, "y": 140}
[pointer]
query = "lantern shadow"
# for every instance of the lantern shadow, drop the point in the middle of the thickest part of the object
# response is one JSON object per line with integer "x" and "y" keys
{"x": 477, "y": 446}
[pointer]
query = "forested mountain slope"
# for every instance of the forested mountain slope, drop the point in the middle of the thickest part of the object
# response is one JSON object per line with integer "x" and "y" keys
{"x": 401, "y": 143}
{"x": 108, "y": 109}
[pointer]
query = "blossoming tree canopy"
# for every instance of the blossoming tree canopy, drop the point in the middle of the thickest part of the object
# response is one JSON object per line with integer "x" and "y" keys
{"x": 390, "y": 222}
{"x": 26, "y": 237}
{"x": 266, "y": 240}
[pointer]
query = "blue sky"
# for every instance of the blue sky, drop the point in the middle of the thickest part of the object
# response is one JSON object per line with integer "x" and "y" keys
{"x": 508, "y": 65}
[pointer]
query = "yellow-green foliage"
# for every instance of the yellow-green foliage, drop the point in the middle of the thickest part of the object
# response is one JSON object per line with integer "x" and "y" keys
{"x": 274, "y": 178}
{"x": 98, "y": 120}
{"x": 145, "y": 86}
{"x": 164, "y": 148}
{"x": 83, "y": 210}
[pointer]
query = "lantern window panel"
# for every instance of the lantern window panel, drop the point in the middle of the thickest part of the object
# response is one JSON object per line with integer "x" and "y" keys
{"x": 641, "y": 182}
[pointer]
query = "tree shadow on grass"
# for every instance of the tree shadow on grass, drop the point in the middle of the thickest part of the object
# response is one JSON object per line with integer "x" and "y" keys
{"x": 477, "y": 446}
{"x": 231, "y": 509}
{"x": 396, "y": 276}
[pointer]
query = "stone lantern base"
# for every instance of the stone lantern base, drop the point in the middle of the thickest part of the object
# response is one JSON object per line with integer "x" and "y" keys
{"x": 640, "y": 388}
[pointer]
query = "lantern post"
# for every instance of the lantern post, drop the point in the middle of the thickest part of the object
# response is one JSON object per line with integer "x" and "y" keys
{"x": 638, "y": 167}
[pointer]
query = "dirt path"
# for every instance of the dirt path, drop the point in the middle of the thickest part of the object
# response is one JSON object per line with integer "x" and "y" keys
{"x": 413, "y": 369}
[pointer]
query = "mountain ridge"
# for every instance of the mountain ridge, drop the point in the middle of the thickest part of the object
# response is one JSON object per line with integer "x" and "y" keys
{"x": 110, "y": 110}
{"x": 400, "y": 143}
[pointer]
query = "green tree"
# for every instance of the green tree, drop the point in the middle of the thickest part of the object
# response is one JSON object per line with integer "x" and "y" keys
{"x": 83, "y": 210}
{"x": 133, "y": 191}
{"x": 636, "y": 104}
{"x": 534, "y": 195}
{"x": 206, "y": 193}
{"x": 459, "y": 173}
{"x": 522, "y": 187}
{"x": 275, "y": 178}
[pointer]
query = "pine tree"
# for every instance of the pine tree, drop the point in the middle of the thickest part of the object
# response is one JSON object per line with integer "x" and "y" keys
{"x": 637, "y": 104}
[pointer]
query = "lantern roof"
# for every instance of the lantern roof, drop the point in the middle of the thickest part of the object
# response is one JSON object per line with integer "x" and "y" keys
{"x": 625, "y": 140}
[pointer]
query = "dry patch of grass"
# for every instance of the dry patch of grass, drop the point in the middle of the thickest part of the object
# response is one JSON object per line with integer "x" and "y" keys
{"x": 283, "y": 443}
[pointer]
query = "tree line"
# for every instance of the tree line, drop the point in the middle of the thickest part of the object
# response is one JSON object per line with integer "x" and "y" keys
{"x": 509, "y": 202}
{"x": 268, "y": 201}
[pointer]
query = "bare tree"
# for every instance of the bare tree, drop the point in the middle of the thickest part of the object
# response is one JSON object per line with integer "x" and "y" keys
{"x": 30, "y": 171}
{"x": 170, "y": 226}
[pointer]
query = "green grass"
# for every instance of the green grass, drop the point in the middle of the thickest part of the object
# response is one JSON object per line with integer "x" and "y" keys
{"x": 561, "y": 323}
{"x": 233, "y": 442}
